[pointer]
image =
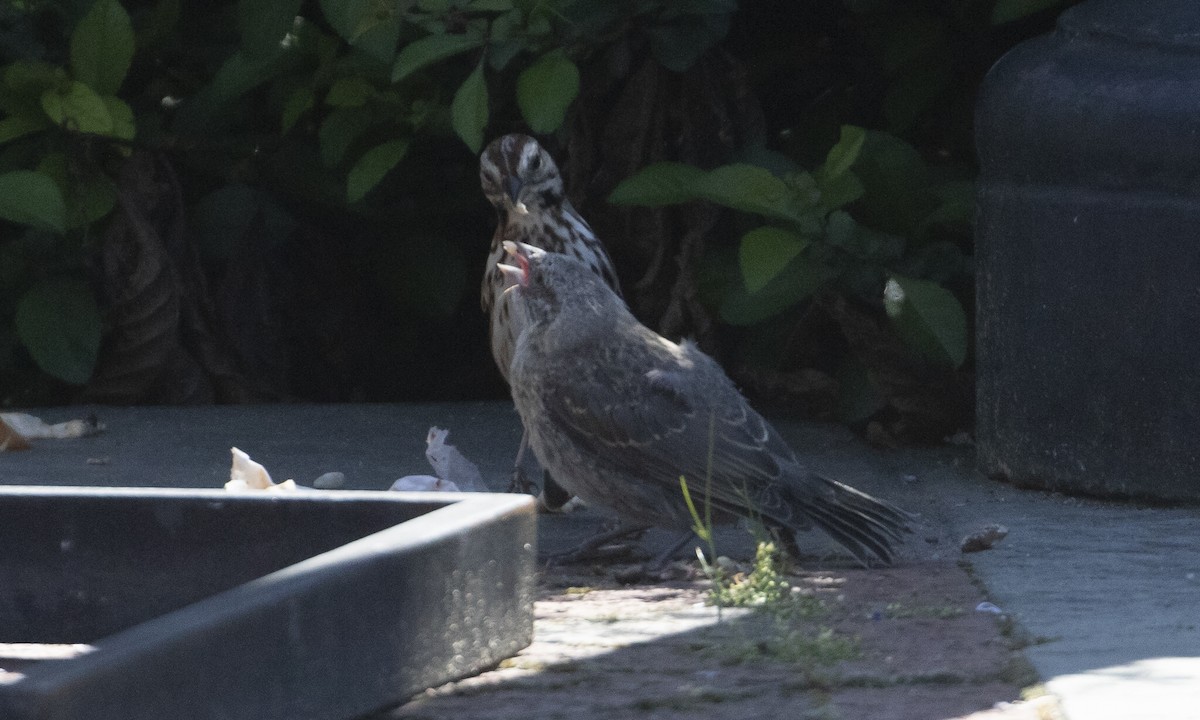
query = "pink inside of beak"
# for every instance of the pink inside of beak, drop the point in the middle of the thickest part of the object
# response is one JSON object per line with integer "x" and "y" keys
{"x": 523, "y": 264}
{"x": 517, "y": 269}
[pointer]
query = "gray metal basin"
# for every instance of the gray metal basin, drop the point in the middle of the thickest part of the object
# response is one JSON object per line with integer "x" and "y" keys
{"x": 211, "y": 605}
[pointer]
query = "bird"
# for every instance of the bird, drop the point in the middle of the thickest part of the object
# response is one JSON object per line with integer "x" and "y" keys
{"x": 522, "y": 182}
{"x": 619, "y": 414}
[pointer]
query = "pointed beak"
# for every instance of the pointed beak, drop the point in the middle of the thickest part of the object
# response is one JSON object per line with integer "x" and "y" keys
{"x": 516, "y": 273}
{"x": 513, "y": 187}
{"x": 513, "y": 276}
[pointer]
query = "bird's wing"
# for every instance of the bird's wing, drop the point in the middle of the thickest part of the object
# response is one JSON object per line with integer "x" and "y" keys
{"x": 674, "y": 419}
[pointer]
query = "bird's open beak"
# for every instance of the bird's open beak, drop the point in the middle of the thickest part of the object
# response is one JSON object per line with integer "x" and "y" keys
{"x": 516, "y": 274}
{"x": 513, "y": 187}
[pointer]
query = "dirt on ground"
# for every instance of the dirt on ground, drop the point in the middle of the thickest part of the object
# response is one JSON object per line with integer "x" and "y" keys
{"x": 904, "y": 643}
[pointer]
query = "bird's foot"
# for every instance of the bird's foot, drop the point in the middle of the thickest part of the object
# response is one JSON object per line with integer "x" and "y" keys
{"x": 653, "y": 572}
{"x": 598, "y": 547}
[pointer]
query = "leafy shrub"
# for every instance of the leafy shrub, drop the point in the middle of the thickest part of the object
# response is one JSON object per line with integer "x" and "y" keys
{"x": 810, "y": 242}
{"x": 202, "y": 195}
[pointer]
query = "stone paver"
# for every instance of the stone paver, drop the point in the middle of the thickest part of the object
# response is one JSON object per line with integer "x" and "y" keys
{"x": 1104, "y": 596}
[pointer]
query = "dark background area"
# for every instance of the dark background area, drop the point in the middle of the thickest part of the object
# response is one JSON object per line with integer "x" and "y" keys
{"x": 224, "y": 261}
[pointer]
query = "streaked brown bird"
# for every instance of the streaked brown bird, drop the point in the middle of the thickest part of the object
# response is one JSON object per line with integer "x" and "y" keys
{"x": 619, "y": 413}
{"x": 522, "y": 182}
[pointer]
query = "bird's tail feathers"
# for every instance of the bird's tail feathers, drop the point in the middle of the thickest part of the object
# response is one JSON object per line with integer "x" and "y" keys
{"x": 866, "y": 526}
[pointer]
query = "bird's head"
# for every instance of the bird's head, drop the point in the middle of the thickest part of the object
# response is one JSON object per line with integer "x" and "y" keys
{"x": 548, "y": 284}
{"x": 519, "y": 177}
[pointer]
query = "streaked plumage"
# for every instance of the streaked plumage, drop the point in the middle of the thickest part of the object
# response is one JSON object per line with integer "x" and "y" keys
{"x": 522, "y": 182}
{"x": 618, "y": 413}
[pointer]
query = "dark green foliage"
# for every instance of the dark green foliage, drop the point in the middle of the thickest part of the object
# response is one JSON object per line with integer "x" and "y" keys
{"x": 815, "y": 243}
{"x": 295, "y": 182}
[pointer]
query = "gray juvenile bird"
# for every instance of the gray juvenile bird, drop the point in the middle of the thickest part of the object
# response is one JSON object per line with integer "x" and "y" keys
{"x": 520, "y": 179}
{"x": 619, "y": 413}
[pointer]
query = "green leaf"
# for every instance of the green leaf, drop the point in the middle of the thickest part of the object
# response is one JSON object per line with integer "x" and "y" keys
{"x": 372, "y": 26}
{"x": 237, "y": 75}
{"x": 765, "y": 252}
{"x": 31, "y": 79}
{"x": 1006, "y": 11}
{"x": 429, "y": 50}
{"x": 800, "y": 278}
{"x": 505, "y": 39}
{"x": 77, "y": 107}
{"x": 896, "y": 179}
{"x": 928, "y": 317}
{"x": 264, "y": 23}
{"x": 340, "y": 129}
{"x": 844, "y": 154}
{"x": 351, "y": 91}
{"x": 15, "y": 126}
{"x": 844, "y": 232}
{"x": 840, "y": 191}
{"x": 372, "y": 166}
{"x": 102, "y": 47}
{"x": 469, "y": 110}
{"x": 750, "y": 189}
{"x": 123, "y": 125}
{"x": 298, "y": 103}
{"x": 59, "y": 324}
{"x": 840, "y": 187}
{"x": 546, "y": 89}
{"x": 92, "y": 194}
{"x": 32, "y": 198}
{"x": 664, "y": 183}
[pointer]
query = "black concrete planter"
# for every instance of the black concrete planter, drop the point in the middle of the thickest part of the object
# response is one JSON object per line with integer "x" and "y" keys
{"x": 205, "y": 604}
{"x": 1089, "y": 254}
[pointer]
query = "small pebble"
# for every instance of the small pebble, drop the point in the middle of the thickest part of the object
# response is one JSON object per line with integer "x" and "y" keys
{"x": 983, "y": 539}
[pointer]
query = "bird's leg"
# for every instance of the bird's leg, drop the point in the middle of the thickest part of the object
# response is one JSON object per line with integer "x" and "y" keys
{"x": 519, "y": 483}
{"x": 553, "y": 496}
{"x": 663, "y": 558}
{"x": 587, "y": 549}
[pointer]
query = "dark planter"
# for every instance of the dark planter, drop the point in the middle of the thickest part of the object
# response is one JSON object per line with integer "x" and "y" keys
{"x": 203, "y": 604}
{"x": 1089, "y": 254}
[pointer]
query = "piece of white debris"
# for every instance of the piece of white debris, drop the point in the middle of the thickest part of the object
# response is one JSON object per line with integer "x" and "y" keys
{"x": 423, "y": 483}
{"x": 983, "y": 539}
{"x": 11, "y": 439}
{"x": 32, "y": 427}
{"x": 330, "y": 480}
{"x": 245, "y": 474}
{"x": 987, "y": 607}
{"x": 451, "y": 465}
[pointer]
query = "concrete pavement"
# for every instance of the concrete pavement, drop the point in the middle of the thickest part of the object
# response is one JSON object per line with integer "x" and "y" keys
{"x": 1108, "y": 593}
